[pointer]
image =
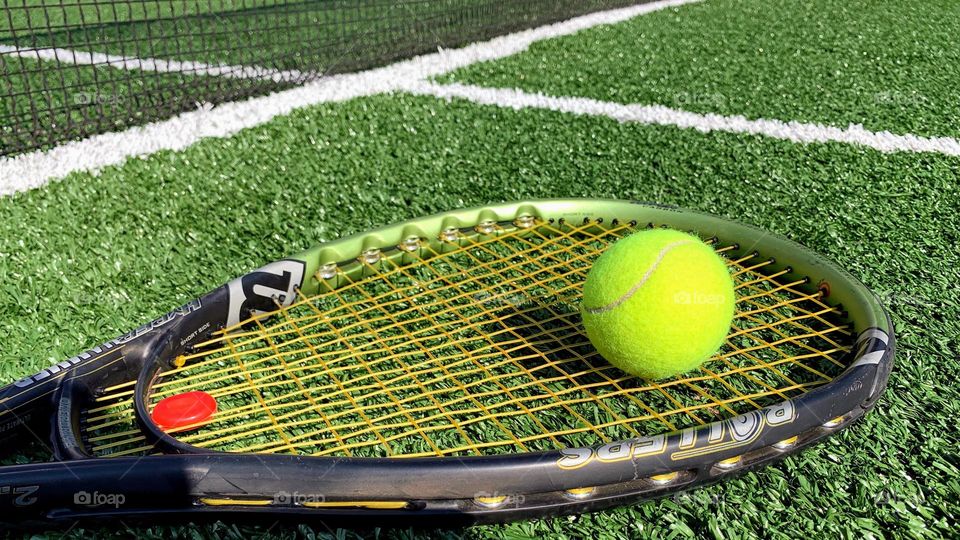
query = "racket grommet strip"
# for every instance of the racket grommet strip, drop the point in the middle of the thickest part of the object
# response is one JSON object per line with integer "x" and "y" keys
{"x": 370, "y": 256}
{"x": 491, "y": 501}
{"x": 730, "y": 463}
{"x": 450, "y": 234}
{"x": 487, "y": 226}
{"x": 833, "y": 422}
{"x": 665, "y": 478}
{"x": 580, "y": 493}
{"x": 327, "y": 271}
{"x": 410, "y": 244}
{"x": 786, "y": 443}
{"x": 824, "y": 288}
{"x": 525, "y": 221}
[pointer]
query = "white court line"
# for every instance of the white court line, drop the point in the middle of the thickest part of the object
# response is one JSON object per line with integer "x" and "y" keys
{"x": 34, "y": 169}
{"x": 67, "y": 56}
{"x": 800, "y": 132}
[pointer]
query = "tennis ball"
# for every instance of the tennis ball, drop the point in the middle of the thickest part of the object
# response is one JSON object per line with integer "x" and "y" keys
{"x": 658, "y": 303}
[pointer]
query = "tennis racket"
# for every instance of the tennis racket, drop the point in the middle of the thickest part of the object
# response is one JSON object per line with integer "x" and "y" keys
{"x": 437, "y": 370}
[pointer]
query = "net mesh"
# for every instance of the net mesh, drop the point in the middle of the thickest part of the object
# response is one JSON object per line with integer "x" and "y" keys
{"x": 474, "y": 346}
{"x": 72, "y": 68}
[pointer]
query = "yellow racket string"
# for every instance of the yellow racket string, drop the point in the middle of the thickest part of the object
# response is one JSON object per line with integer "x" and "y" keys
{"x": 471, "y": 347}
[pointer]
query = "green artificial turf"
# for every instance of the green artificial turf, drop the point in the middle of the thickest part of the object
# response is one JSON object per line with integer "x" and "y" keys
{"x": 888, "y": 65}
{"x": 86, "y": 258}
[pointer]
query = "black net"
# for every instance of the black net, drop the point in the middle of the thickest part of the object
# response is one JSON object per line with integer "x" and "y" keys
{"x": 72, "y": 68}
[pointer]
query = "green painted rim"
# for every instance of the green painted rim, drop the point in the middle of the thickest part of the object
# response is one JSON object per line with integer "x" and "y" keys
{"x": 843, "y": 289}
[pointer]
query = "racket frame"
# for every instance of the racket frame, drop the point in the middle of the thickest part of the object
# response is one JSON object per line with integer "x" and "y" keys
{"x": 196, "y": 482}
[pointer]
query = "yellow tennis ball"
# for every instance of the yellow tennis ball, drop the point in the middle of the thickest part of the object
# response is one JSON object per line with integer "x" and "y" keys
{"x": 658, "y": 303}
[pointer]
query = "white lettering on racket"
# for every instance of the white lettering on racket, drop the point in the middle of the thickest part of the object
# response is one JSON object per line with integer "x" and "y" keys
{"x": 717, "y": 437}
{"x": 261, "y": 290}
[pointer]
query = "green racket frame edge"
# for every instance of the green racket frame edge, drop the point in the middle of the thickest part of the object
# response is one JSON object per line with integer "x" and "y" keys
{"x": 465, "y": 489}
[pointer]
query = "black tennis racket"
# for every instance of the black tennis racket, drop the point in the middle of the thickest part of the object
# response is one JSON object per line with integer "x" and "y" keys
{"x": 437, "y": 369}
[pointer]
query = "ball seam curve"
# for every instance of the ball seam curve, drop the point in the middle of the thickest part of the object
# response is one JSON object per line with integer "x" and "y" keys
{"x": 636, "y": 287}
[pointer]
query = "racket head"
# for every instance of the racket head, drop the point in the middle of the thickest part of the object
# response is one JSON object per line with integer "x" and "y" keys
{"x": 377, "y": 257}
{"x": 568, "y": 476}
